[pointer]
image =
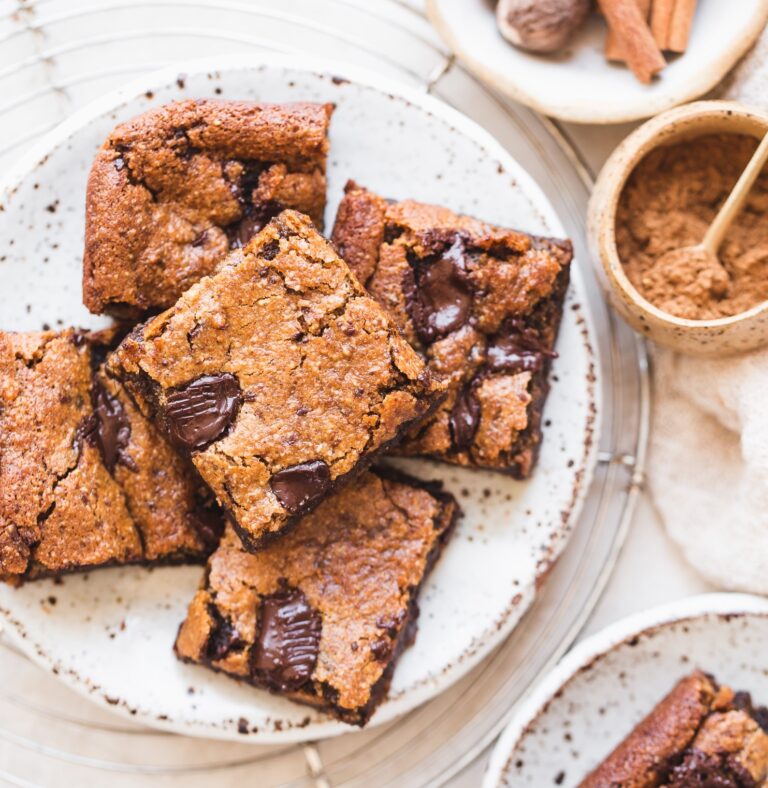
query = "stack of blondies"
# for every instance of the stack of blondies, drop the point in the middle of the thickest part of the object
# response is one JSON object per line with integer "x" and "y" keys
{"x": 254, "y": 372}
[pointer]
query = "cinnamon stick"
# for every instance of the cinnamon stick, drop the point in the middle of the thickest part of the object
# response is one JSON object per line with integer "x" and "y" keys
{"x": 680, "y": 25}
{"x": 613, "y": 49}
{"x": 626, "y": 22}
{"x": 661, "y": 21}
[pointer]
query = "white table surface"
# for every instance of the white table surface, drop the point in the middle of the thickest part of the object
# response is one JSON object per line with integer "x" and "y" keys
{"x": 649, "y": 570}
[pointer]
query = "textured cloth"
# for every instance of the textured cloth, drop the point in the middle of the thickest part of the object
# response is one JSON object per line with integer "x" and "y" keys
{"x": 708, "y": 469}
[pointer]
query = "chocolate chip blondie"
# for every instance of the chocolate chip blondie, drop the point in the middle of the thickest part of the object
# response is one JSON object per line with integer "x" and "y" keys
{"x": 481, "y": 303}
{"x": 278, "y": 376}
{"x": 322, "y": 615}
{"x": 85, "y": 479}
{"x": 172, "y": 190}
{"x": 701, "y": 734}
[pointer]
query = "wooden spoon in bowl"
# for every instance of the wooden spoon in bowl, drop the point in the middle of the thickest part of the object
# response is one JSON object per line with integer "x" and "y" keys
{"x": 696, "y": 270}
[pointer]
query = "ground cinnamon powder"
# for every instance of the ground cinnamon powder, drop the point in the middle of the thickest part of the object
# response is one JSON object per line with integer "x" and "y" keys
{"x": 668, "y": 203}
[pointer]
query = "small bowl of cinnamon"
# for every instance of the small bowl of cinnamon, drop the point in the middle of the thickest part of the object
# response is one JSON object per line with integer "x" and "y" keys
{"x": 659, "y": 193}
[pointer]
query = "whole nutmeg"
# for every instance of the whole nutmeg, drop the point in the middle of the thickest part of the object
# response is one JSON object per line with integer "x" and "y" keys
{"x": 541, "y": 25}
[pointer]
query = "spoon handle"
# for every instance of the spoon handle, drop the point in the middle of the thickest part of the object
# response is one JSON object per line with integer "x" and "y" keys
{"x": 719, "y": 227}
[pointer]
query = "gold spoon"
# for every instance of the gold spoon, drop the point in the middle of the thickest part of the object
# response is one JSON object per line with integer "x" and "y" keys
{"x": 697, "y": 268}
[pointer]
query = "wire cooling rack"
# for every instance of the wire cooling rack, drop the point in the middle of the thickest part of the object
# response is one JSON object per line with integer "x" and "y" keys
{"x": 56, "y": 55}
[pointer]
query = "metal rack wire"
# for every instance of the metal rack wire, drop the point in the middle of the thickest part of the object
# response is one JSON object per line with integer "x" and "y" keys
{"x": 55, "y": 55}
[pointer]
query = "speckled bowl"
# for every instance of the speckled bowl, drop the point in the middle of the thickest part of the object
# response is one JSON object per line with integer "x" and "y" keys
{"x": 741, "y": 332}
{"x": 575, "y": 717}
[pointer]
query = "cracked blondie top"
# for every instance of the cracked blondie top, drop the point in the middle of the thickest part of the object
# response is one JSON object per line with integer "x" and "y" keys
{"x": 701, "y": 734}
{"x": 85, "y": 479}
{"x": 278, "y": 375}
{"x": 173, "y": 190}
{"x": 322, "y": 615}
{"x": 483, "y": 306}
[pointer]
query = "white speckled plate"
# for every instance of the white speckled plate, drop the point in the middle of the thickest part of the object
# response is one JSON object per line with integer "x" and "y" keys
{"x": 578, "y": 84}
{"x": 109, "y": 634}
{"x": 609, "y": 682}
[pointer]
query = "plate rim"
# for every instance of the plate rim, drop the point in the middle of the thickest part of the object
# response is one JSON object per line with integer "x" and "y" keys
{"x": 705, "y": 81}
{"x": 599, "y": 645}
{"x": 365, "y": 77}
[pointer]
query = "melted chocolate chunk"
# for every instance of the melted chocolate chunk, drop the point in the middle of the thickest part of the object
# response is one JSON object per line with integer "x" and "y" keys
{"x": 223, "y": 638}
{"x": 705, "y": 770}
{"x": 743, "y": 701}
{"x": 438, "y": 293}
{"x": 254, "y": 214}
{"x": 244, "y": 229}
{"x": 464, "y": 419}
{"x": 299, "y": 487}
{"x": 517, "y": 348}
{"x": 109, "y": 429}
{"x": 200, "y": 412}
{"x": 208, "y": 523}
{"x": 285, "y": 652}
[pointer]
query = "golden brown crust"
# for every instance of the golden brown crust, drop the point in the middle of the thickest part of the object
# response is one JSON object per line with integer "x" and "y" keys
{"x": 61, "y": 508}
{"x": 359, "y": 559}
{"x": 514, "y": 279}
{"x": 172, "y": 189}
{"x": 323, "y": 374}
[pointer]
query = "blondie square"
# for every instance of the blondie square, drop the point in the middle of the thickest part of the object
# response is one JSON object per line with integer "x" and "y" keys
{"x": 85, "y": 479}
{"x": 278, "y": 376}
{"x": 481, "y": 303}
{"x": 172, "y": 190}
{"x": 322, "y": 615}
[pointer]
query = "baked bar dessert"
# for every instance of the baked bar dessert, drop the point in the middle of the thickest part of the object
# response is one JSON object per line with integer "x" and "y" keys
{"x": 481, "y": 303}
{"x": 85, "y": 480}
{"x": 322, "y": 615}
{"x": 172, "y": 190}
{"x": 279, "y": 376}
{"x": 701, "y": 734}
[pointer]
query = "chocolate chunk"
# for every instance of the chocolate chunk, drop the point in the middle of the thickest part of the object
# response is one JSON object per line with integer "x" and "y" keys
{"x": 438, "y": 293}
{"x": 223, "y": 638}
{"x": 517, "y": 348}
{"x": 200, "y": 412}
{"x": 208, "y": 523}
{"x": 706, "y": 770}
{"x": 464, "y": 419}
{"x": 285, "y": 653}
{"x": 253, "y": 219}
{"x": 299, "y": 487}
{"x": 109, "y": 429}
{"x": 381, "y": 649}
{"x": 743, "y": 702}
{"x": 244, "y": 229}
{"x": 249, "y": 178}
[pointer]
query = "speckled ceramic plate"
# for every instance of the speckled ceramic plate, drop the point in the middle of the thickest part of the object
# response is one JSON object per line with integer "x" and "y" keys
{"x": 578, "y": 83}
{"x": 608, "y": 683}
{"x": 109, "y": 634}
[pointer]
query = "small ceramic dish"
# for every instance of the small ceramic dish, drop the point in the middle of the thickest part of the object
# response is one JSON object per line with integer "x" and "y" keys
{"x": 578, "y": 84}
{"x": 744, "y": 331}
{"x": 595, "y": 696}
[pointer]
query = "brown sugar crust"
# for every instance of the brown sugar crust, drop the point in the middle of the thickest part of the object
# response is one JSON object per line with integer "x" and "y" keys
{"x": 172, "y": 190}
{"x": 699, "y": 734}
{"x": 302, "y": 370}
{"x": 359, "y": 560}
{"x": 61, "y": 507}
{"x": 506, "y": 284}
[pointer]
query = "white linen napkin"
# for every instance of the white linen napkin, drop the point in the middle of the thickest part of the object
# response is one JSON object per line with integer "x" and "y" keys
{"x": 708, "y": 464}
